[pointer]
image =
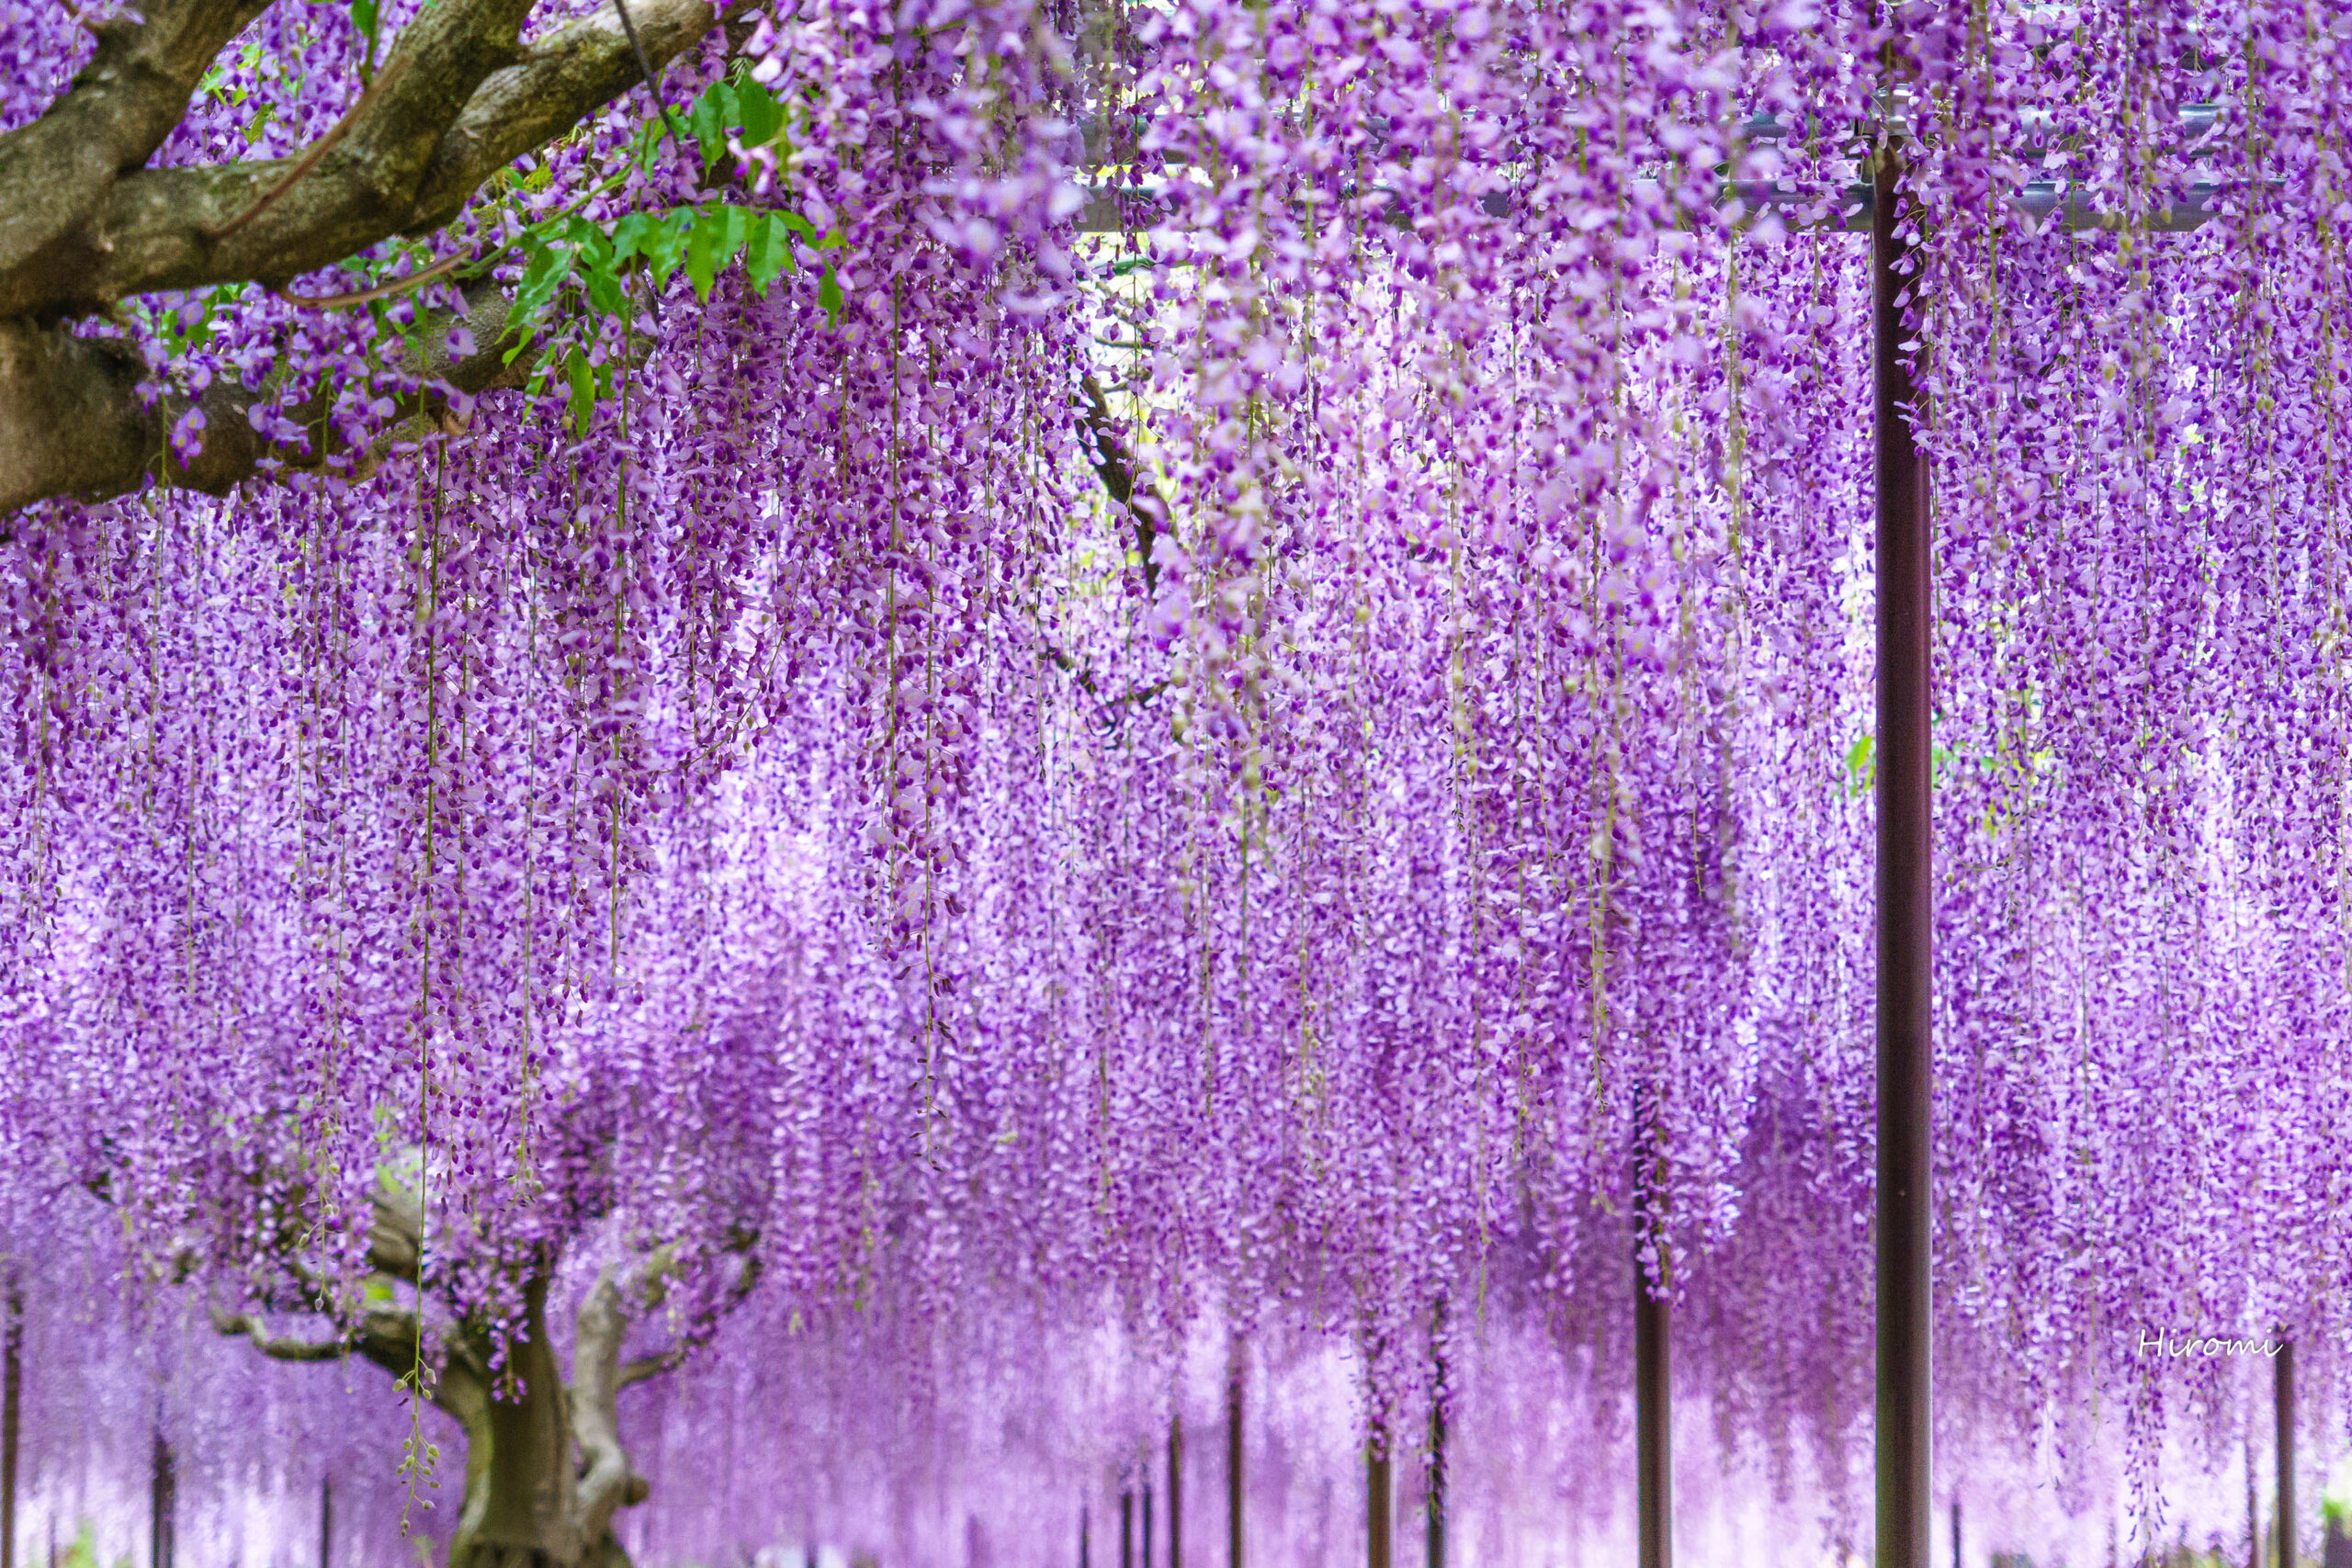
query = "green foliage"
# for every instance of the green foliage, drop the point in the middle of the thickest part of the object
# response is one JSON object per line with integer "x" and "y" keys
{"x": 589, "y": 384}
{"x": 188, "y": 325}
{"x": 1862, "y": 767}
{"x": 737, "y": 103}
{"x": 231, "y": 81}
{"x": 1944, "y": 764}
{"x": 577, "y": 272}
{"x": 368, "y": 16}
{"x": 569, "y": 257}
{"x": 713, "y": 240}
{"x": 84, "y": 1552}
{"x": 597, "y": 264}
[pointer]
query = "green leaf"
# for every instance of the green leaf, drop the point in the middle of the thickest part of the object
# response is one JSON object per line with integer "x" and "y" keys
{"x": 828, "y": 294}
{"x": 366, "y": 15}
{"x": 591, "y": 245}
{"x": 665, "y": 241}
{"x": 702, "y": 262}
{"x": 583, "y": 381}
{"x": 605, "y": 291}
{"x": 823, "y": 240}
{"x": 1861, "y": 765}
{"x": 718, "y": 233}
{"x": 769, "y": 253}
{"x": 543, "y": 274}
{"x": 708, "y": 117}
{"x": 758, "y": 113}
{"x": 735, "y": 227}
{"x": 628, "y": 235}
{"x": 595, "y": 259}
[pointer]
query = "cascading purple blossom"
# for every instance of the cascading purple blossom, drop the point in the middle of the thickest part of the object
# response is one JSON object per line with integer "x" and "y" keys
{"x": 1399, "y": 859}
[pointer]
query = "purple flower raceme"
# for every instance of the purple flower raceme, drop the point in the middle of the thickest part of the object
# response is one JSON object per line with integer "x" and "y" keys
{"x": 1222, "y": 720}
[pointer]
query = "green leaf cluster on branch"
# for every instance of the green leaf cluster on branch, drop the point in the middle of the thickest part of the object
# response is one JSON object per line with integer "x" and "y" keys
{"x": 88, "y": 224}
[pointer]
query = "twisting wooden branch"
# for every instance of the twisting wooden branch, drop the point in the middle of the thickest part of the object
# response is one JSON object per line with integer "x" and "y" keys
{"x": 1107, "y": 452}
{"x": 56, "y": 171}
{"x": 608, "y": 1481}
{"x": 84, "y": 223}
{"x": 276, "y": 1348}
{"x": 312, "y": 159}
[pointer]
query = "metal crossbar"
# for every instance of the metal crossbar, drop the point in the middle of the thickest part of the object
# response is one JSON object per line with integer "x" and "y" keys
{"x": 1121, "y": 209}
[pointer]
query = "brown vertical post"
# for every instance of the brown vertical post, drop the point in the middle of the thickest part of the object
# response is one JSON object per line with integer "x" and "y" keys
{"x": 2253, "y": 1509}
{"x": 1652, "y": 1361}
{"x": 12, "y": 1412}
{"x": 326, "y": 1522}
{"x": 1377, "y": 1506}
{"x": 1437, "y": 1395}
{"x": 1175, "y": 1492}
{"x": 2283, "y": 1402}
{"x": 1652, "y": 1410}
{"x": 163, "y": 1494}
{"x": 1233, "y": 1489}
{"x": 1905, "y": 921}
{"x": 1146, "y": 1466}
{"x": 1126, "y": 1526}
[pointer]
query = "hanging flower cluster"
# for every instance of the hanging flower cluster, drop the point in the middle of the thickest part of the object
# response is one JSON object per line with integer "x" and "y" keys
{"x": 1224, "y": 689}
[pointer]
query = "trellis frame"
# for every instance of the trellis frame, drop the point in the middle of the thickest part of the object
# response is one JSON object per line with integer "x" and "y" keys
{"x": 1903, "y": 992}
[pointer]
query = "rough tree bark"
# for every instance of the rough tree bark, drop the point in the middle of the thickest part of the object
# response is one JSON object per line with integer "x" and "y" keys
{"x": 85, "y": 222}
{"x": 546, "y": 1470}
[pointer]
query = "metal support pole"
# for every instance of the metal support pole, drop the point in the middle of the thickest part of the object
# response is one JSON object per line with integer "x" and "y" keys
{"x": 1653, "y": 1368}
{"x": 2283, "y": 1402}
{"x": 1146, "y": 1509}
{"x": 1905, "y": 921}
{"x": 326, "y": 1521}
{"x": 2252, "y": 1510}
{"x": 12, "y": 1412}
{"x": 1085, "y": 1546}
{"x": 1653, "y": 1401}
{"x": 1377, "y": 1506}
{"x": 163, "y": 1489}
{"x": 1175, "y": 1492}
{"x": 1955, "y": 1533}
{"x": 1436, "y": 1552}
{"x": 1126, "y": 1527}
{"x": 1233, "y": 1489}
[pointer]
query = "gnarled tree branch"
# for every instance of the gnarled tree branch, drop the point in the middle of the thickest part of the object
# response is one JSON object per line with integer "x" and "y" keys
{"x": 396, "y": 1230}
{"x": 607, "y": 1481}
{"x": 276, "y": 1348}
{"x": 71, "y": 422}
{"x": 83, "y": 224}
{"x": 55, "y": 171}
{"x": 562, "y": 79}
{"x": 459, "y": 99}
{"x": 1107, "y": 454}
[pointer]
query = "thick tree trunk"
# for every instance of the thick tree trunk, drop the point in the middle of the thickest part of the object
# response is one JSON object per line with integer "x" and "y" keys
{"x": 546, "y": 1470}
{"x": 523, "y": 1503}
